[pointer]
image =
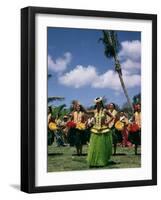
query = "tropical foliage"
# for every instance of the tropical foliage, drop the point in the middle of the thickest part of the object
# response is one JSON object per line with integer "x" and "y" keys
{"x": 60, "y": 111}
{"x": 127, "y": 109}
{"x": 137, "y": 99}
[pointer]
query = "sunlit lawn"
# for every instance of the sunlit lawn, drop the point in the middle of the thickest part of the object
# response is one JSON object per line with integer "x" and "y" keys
{"x": 65, "y": 159}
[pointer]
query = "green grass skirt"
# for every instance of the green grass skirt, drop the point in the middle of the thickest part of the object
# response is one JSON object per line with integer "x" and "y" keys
{"x": 100, "y": 149}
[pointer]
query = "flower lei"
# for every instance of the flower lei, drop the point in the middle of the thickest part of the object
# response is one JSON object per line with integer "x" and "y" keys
{"x": 98, "y": 118}
{"x": 78, "y": 116}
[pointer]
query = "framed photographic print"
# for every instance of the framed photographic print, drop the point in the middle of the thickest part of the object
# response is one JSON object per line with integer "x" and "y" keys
{"x": 88, "y": 99}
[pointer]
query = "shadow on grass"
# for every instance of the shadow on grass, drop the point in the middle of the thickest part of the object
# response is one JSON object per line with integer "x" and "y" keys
{"x": 111, "y": 162}
{"x": 119, "y": 154}
{"x": 55, "y": 154}
{"x": 83, "y": 154}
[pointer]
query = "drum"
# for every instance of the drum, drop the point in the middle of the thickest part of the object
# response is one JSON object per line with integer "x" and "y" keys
{"x": 119, "y": 125}
{"x": 133, "y": 127}
{"x": 52, "y": 126}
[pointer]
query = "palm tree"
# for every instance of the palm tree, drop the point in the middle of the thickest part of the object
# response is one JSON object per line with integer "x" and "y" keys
{"x": 54, "y": 98}
{"x": 112, "y": 47}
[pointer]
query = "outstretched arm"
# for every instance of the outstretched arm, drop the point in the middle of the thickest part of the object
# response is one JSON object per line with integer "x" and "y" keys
{"x": 87, "y": 111}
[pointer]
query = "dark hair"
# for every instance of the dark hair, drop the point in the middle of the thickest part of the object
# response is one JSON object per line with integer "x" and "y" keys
{"x": 113, "y": 105}
{"x": 52, "y": 118}
{"x": 50, "y": 109}
{"x": 81, "y": 108}
{"x": 102, "y": 105}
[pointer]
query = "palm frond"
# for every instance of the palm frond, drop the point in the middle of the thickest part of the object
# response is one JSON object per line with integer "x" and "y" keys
{"x": 54, "y": 98}
{"x": 110, "y": 42}
{"x": 60, "y": 108}
{"x": 115, "y": 43}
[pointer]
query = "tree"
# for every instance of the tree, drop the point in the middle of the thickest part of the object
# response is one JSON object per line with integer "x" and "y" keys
{"x": 58, "y": 111}
{"x": 54, "y": 98}
{"x": 111, "y": 49}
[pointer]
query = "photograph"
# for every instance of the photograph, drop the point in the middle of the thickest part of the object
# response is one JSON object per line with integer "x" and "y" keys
{"x": 89, "y": 88}
{"x": 94, "y": 99}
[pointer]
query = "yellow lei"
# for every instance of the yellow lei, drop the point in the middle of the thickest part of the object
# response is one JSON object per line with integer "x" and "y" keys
{"x": 80, "y": 126}
{"x": 78, "y": 119}
{"x": 98, "y": 127}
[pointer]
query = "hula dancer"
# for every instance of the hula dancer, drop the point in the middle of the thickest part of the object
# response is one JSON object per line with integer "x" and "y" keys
{"x": 64, "y": 128}
{"x": 52, "y": 127}
{"x": 116, "y": 135}
{"x": 122, "y": 127}
{"x": 77, "y": 135}
{"x": 100, "y": 148}
{"x": 135, "y": 128}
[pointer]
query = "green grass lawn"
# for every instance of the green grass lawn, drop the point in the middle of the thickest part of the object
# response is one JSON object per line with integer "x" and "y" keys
{"x": 65, "y": 159}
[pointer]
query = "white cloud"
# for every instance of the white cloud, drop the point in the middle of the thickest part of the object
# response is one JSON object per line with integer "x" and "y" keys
{"x": 132, "y": 81}
{"x": 111, "y": 80}
{"x": 60, "y": 64}
{"x": 107, "y": 80}
{"x": 79, "y": 76}
{"x": 130, "y": 64}
{"x": 130, "y": 50}
{"x": 130, "y": 56}
{"x": 83, "y": 76}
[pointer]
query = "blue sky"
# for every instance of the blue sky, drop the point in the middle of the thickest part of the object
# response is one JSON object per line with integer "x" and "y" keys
{"x": 81, "y": 71}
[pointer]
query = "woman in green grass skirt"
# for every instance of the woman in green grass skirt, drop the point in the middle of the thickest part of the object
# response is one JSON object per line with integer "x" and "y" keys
{"x": 100, "y": 147}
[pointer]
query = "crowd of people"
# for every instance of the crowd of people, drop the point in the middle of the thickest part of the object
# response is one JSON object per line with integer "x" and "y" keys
{"x": 102, "y": 128}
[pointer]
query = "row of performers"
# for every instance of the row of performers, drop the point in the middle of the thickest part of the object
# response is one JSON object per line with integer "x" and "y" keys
{"x": 100, "y": 128}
